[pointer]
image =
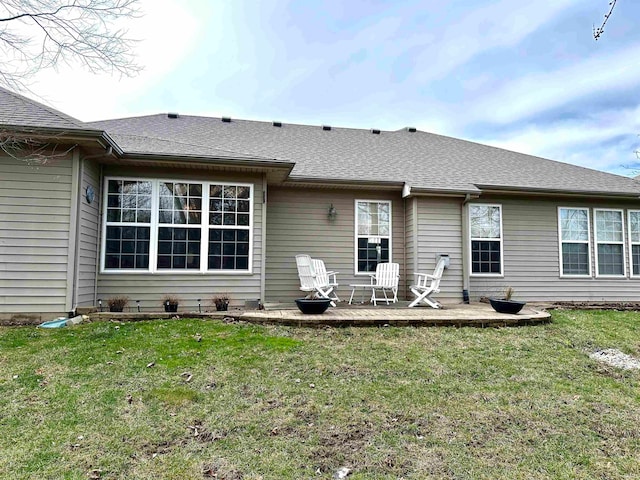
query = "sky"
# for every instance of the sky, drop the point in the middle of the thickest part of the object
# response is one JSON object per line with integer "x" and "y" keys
{"x": 526, "y": 76}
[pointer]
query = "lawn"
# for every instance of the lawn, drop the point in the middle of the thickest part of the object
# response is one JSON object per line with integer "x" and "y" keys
{"x": 204, "y": 399}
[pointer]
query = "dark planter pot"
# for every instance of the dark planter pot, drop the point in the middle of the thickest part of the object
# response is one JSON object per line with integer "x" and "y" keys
{"x": 222, "y": 307}
{"x": 314, "y": 306}
{"x": 116, "y": 309}
{"x": 170, "y": 307}
{"x": 506, "y": 306}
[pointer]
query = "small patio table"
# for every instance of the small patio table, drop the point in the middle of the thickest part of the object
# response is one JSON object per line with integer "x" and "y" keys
{"x": 364, "y": 286}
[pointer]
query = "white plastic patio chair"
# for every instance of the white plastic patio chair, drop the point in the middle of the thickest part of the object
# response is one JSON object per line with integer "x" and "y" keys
{"x": 385, "y": 279}
{"x": 427, "y": 285}
{"x": 309, "y": 280}
{"x": 324, "y": 278}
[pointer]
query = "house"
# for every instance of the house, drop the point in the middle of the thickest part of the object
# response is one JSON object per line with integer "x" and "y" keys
{"x": 194, "y": 206}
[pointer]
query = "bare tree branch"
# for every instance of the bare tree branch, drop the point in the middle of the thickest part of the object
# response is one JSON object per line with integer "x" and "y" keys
{"x": 597, "y": 32}
{"x": 40, "y": 34}
{"x": 33, "y": 147}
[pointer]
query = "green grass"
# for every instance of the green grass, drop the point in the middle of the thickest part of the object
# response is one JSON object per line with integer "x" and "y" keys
{"x": 284, "y": 403}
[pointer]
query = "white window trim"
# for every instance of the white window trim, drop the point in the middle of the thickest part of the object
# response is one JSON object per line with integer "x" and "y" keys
{"x": 356, "y": 236}
{"x": 472, "y": 239}
{"x": 631, "y": 243}
{"x": 596, "y": 242}
{"x": 153, "y": 237}
{"x": 560, "y": 242}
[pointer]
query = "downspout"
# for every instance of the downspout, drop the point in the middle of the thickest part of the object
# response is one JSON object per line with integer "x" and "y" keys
{"x": 97, "y": 270}
{"x": 263, "y": 254}
{"x": 107, "y": 153}
{"x": 466, "y": 249}
{"x": 76, "y": 259}
{"x": 404, "y": 244}
{"x": 74, "y": 213}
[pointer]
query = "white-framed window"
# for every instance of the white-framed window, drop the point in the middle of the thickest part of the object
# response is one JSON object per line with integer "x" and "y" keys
{"x": 160, "y": 226}
{"x": 633, "y": 219}
{"x": 372, "y": 234}
{"x": 609, "y": 238}
{"x": 485, "y": 237}
{"x": 574, "y": 233}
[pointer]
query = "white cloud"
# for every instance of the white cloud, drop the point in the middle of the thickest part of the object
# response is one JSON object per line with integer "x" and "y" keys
{"x": 604, "y": 141}
{"x": 537, "y": 93}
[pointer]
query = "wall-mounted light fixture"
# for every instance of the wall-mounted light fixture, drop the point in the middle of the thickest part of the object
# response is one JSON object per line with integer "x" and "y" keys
{"x": 332, "y": 213}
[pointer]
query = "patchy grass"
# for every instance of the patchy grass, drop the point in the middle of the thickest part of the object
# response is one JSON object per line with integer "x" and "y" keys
{"x": 202, "y": 399}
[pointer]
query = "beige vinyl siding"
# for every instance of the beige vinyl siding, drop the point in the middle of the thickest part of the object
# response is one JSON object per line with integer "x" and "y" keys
{"x": 532, "y": 256}
{"x": 439, "y": 225}
{"x": 35, "y": 203}
{"x": 411, "y": 231}
{"x": 89, "y": 224}
{"x": 149, "y": 288}
{"x": 298, "y": 223}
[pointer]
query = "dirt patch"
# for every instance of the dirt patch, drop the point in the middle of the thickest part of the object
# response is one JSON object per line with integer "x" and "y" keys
{"x": 620, "y": 306}
{"x": 341, "y": 445}
{"x": 221, "y": 470}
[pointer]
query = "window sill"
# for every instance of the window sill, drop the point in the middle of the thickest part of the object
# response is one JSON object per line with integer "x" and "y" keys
{"x": 176, "y": 272}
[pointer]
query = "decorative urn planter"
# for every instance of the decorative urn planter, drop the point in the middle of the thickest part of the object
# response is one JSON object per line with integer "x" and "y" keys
{"x": 170, "y": 307}
{"x": 314, "y": 306}
{"x": 222, "y": 306}
{"x": 506, "y": 306}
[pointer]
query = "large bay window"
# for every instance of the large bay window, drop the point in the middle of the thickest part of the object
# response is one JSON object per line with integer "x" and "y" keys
{"x": 162, "y": 225}
{"x": 373, "y": 234}
{"x": 575, "y": 254}
{"x": 609, "y": 236}
{"x": 485, "y": 224}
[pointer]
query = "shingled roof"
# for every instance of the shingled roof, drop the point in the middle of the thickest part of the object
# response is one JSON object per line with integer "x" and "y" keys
{"x": 423, "y": 160}
{"x": 19, "y": 111}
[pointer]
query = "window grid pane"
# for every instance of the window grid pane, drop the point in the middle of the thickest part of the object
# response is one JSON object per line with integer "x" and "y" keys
{"x": 370, "y": 254}
{"x": 178, "y": 248}
{"x": 575, "y": 258}
{"x": 180, "y": 203}
{"x": 229, "y": 205}
{"x": 610, "y": 259}
{"x": 635, "y": 256}
{"x": 634, "y": 226}
{"x": 127, "y": 248}
{"x": 484, "y": 221}
{"x": 485, "y": 256}
{"x": 228, "y": 249}
{"x": 574, "y": 224}
{"x": 129, "y": 201}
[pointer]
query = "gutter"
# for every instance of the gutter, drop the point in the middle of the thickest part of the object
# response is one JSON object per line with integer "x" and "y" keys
{"x": 491, "y": 189}
{"x": 466, "y": 248}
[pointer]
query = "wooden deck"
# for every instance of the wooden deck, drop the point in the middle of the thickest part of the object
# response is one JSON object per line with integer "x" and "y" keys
{"x": 473, "y": 315}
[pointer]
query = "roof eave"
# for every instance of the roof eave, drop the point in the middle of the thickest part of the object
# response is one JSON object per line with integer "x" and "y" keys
{"x": 223, "y": 161}
{"x": 485, "y": 189}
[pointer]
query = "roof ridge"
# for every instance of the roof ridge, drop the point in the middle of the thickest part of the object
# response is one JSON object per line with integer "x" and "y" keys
{"x": 51, "y": 110}
{"x": 493, "y": 147}
{"x": 244, "y": 120}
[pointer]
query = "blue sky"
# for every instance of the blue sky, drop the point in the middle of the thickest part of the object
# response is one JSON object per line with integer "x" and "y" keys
{"x": 527, "y": 76}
